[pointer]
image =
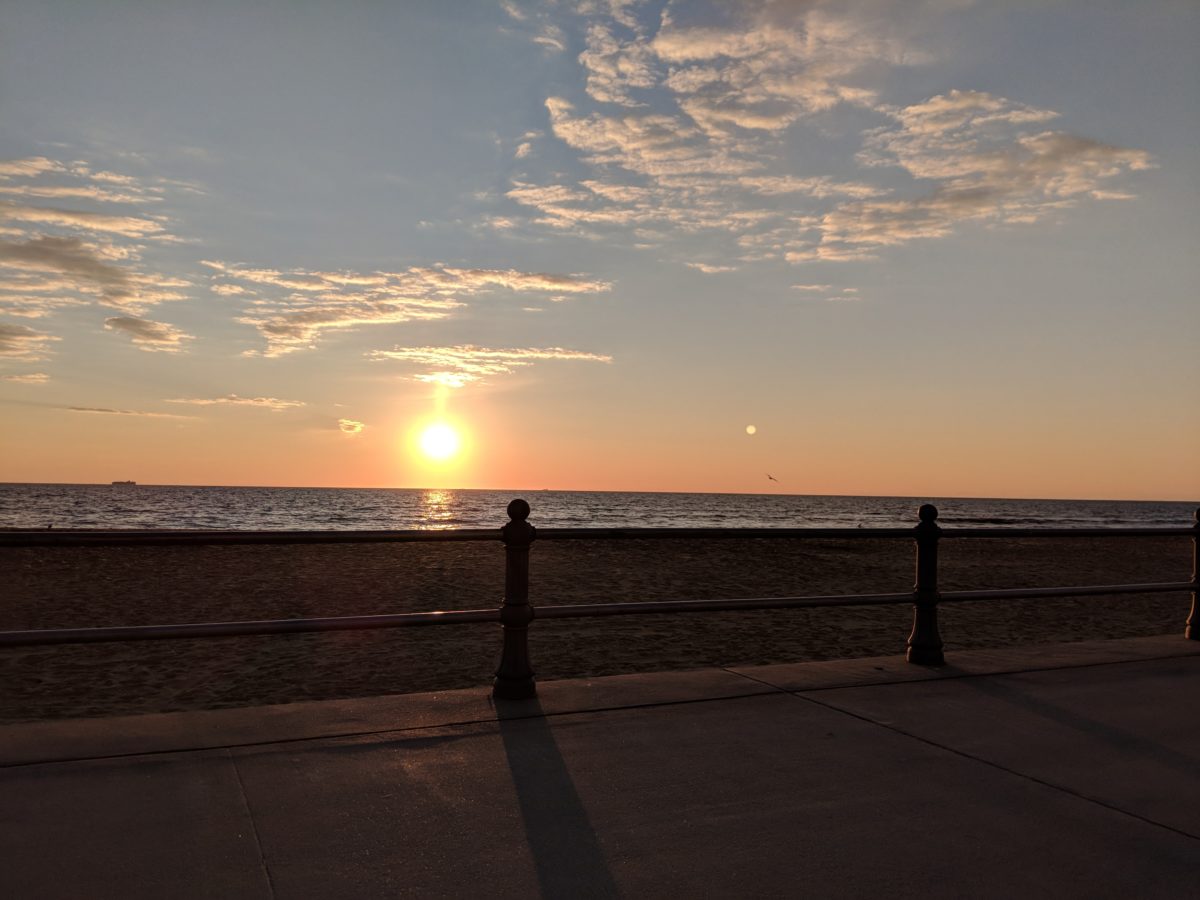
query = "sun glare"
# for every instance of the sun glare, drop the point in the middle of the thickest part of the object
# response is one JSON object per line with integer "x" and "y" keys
{"x": 439, "y": 441}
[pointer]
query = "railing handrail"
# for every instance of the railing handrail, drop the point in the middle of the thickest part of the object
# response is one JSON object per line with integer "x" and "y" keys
{"x": 132, "y": 538}
{"x": 514, "y": 677}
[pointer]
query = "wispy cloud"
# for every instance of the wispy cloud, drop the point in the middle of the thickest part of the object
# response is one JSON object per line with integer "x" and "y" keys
{"x": 24, "y": 343}
{"x": 29, "y": 167}
{"x": 552, "y": 38}
{"x": 814, "y": 292}
{"x": 148, "y": 335}
{"x": 71, "y": 192}
{"x": 350, "y": 426}
{"x": 514, "y": 10}
{"x": 772, "y": 68}
{"x": 461, "y": 365}
{"x": 32, "y": 298}
{"x": 846, "y": 295}
{"x": 616, "y": 67}
{"x": 292, "y": 308}
{"x": 274, "y": 404}
{"x": 27, "y": 378}
{"x": 105, "y": 411}
{"x": 536, "y": 24}
{"x": 709, "y": 269}
{"x": 982, "y": 166}
{"x": 81, "y": 220}
{"x": 820, "y": 187}
{"x": 80, "y": 266}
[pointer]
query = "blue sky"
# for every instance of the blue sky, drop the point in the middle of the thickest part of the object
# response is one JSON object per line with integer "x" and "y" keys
{"x": 936, "y": 247}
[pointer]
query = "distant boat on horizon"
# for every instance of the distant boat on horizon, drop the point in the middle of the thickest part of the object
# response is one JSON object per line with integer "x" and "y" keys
{"x": 124, "y": 482}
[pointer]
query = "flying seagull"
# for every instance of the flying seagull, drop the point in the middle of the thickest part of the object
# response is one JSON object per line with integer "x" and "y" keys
{"x": 772, "y": 477}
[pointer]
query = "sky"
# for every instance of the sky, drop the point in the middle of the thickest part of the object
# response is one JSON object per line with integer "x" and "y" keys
{"x": 924, "y": 248}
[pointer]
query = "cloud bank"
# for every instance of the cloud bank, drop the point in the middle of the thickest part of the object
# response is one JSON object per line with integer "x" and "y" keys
{"x": 74, "y": 236}
{"x": 687, "y": 119}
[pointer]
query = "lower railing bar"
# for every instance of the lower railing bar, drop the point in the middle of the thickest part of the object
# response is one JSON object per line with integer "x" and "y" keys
{"x": 48, "y": 636}
{"x": 587, "y": 610}
{"x": 44, "y": 636}
{"x": 1092, "y": 590}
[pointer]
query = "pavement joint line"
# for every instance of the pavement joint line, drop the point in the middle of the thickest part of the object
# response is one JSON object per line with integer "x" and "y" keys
{"x": 262, "y": 857}
{"x": 755, "y": 680}
{"x": 801, "y": 695}
{"x": 385, "y": 731}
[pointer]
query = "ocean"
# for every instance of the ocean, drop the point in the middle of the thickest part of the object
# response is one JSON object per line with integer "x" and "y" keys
{"x": 39, "y": 506}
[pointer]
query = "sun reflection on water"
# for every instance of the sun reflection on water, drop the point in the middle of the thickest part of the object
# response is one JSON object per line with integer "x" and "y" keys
{"x": 438, "y": 509}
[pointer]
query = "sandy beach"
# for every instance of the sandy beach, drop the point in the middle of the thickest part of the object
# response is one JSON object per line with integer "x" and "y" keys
{"x": 76, "y": 587}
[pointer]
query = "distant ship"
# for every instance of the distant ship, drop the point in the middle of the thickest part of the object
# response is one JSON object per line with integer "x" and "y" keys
{"x": 124, "y": 482}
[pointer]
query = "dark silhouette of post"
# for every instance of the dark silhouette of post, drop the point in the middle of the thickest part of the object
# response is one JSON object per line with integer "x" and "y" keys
{"x": 514, "y": 677}
{"x": 925, "y": 643}
{"x": 1192, "y": 631}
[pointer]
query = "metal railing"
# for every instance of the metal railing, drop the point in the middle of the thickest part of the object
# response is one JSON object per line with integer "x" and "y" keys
{"x": 514, "y": 675}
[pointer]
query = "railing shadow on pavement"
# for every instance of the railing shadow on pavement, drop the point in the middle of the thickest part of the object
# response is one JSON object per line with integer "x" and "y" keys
{"x": 562, "y": 841}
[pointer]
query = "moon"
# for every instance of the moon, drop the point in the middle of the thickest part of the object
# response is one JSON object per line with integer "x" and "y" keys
{"x": 750, "y": 429}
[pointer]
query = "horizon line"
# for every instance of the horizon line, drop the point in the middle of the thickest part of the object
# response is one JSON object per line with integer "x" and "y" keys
{"x": 292, "y": 487}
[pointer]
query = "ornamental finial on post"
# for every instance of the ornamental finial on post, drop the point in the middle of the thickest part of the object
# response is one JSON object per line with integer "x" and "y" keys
{"x": 518, "y": 528}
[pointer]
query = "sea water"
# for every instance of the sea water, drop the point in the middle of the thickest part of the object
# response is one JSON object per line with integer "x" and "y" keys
{"x": 260, "y": 508}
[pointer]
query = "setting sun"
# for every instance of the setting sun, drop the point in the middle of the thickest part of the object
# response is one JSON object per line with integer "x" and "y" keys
{"x": 439, "y": 441}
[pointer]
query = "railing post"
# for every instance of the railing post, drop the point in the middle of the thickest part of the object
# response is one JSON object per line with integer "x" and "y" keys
{"x": 514, "y": 677}
{"x": 1192, "y": 630}
{"x": 925, "y": 643}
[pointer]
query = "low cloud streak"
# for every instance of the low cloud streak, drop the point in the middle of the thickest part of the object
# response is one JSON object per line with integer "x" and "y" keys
{"x": 461, "y": 365}
{"x": 107, "y": 411}
{"x": 148, "y": 335}
{"x": 316, "y": 302}
{"x": 20, "y": 342}
{"x": 274, "y": 404}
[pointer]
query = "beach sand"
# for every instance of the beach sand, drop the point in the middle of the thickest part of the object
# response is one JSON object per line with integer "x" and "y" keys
{"x": 77, "y": 587}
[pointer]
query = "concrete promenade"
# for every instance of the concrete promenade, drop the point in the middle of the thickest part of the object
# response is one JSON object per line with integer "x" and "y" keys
{"x": 1053, "y": 771}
